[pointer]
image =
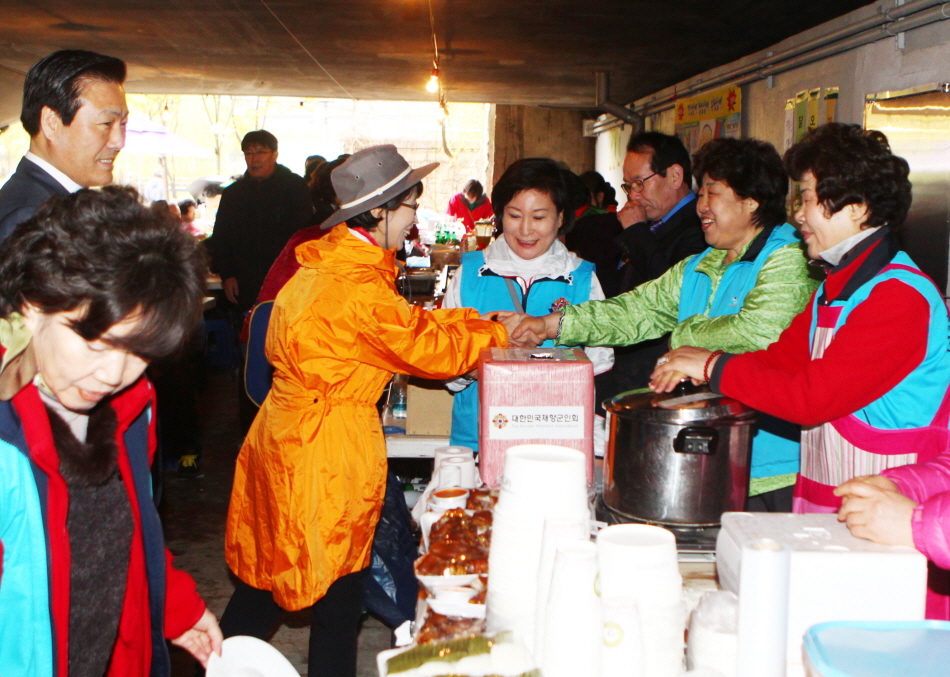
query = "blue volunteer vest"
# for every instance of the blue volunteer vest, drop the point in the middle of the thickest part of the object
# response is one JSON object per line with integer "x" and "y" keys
{"x": 913, "y": 402}
{"x": 489, "y": 292}
{"x": 776, "y": 446}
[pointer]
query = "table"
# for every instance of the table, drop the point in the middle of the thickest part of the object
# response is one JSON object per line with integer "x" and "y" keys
{"x": 410, "y": 446}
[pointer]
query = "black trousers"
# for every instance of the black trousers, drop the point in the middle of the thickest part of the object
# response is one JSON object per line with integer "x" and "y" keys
{"x": 334, "y": 624}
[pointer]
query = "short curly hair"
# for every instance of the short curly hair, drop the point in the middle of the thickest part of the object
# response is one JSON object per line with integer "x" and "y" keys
{"x": 105, "y": 251}
{"x": 854, "y": 166}
{"x": 752, "y": 169}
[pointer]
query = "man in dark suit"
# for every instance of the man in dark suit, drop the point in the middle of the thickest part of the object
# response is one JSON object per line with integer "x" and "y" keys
{"x": 74, "y": 111}
{"x": 661, "y": 228}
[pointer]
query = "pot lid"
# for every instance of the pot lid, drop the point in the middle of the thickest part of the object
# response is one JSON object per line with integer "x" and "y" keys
{"x": 682, "y": 405}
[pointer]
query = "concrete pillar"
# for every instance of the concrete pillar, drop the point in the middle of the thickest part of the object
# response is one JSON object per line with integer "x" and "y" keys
{"x": 527, "y": 131}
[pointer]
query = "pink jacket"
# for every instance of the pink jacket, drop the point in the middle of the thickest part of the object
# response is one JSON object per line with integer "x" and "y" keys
{"x": 929, "y": 485}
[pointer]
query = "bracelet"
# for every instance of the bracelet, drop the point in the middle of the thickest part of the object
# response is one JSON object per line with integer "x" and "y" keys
{"x": 709, "y": 360}
{"x": 560, "y": 325}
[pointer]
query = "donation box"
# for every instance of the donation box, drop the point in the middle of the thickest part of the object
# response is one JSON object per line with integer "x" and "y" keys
{"x": 533, "y": 396}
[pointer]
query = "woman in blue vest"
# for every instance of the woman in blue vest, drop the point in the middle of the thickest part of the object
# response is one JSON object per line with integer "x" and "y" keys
{"x": 526, "y": 269}
{"x": 737, "y": 296}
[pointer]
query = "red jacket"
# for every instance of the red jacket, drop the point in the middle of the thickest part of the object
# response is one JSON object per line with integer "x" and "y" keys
{"x": 458, "y": 207}
{"x": 156, "y": 592}
{"x": 884, "y": 340}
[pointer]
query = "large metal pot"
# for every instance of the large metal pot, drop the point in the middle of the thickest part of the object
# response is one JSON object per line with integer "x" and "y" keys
{"x": 675, "y": 459}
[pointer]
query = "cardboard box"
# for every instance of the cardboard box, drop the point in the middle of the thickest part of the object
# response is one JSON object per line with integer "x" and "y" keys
{"x": 534, "y": 396}
{"x": 428, "y": 408}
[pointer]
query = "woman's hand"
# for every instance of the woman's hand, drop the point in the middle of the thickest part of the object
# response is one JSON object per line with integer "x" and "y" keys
{"x": 676, "y": 365}
{"x": 535, "y": 330}
{"x": 875, "y": 513}
{"x": 203, "y": 638}
{"x": 879, "y": 481}
{"x": 668, "y": 381}
{"x": 510, "y": 320}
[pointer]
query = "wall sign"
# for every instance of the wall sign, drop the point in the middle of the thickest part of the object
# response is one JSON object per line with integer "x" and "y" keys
{"x": 708, "y": 116}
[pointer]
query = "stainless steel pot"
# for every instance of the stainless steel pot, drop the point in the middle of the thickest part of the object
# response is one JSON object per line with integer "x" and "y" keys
{"x": 677, "y": 459}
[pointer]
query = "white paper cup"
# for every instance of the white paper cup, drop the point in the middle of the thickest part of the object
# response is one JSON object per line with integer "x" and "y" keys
{"x": 469, "y": 473}
{"x": 529, "y": 468}
{"x": 639, "y": 546}
{"x": 623, "y": 654}
{"x": 573, "y": 634}
{"x": 450, "y": 476}
{"x": 557, "y": 531}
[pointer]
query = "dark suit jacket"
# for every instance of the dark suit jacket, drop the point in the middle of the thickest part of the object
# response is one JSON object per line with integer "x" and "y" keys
{"x": 28, "y": 188}
{"x": 649, "y": 255}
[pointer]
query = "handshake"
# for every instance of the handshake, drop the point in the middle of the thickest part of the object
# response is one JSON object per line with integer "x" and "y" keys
{"x": 526, "y": 331}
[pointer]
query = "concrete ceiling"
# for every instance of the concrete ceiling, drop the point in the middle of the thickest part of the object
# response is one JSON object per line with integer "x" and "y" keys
{"x": 540, "y": 52}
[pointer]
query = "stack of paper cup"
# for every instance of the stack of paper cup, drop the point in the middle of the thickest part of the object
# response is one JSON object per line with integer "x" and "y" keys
{"x": 442, "y": 453}
{"x": 574, "y": 620}
{"x": 557, "y": 531}
{"x": 540, "y": 482}
{"x": 438, "y": 481}
{"x": 638, "y": 561}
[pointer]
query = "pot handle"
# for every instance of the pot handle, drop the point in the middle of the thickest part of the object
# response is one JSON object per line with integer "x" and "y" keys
{"x": 696, "y": 440}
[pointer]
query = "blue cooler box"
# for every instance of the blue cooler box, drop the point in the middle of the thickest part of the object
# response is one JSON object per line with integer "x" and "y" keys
{"x": 878, "y": 649}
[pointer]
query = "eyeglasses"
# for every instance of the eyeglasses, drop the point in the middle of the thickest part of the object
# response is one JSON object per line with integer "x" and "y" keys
{"x": 255, "y": 153}
{"x": 413, "y": 207}
{"x": 636, "y": 185}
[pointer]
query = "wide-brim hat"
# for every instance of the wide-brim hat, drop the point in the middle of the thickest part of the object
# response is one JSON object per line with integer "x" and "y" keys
{"x": 370, "y": 178}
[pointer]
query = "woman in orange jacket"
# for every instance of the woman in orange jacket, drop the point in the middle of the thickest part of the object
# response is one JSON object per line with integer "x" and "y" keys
{"x": 311, "y": 475}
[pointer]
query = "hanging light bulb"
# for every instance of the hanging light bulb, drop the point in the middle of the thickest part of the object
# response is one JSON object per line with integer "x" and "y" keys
{"x": 432, "y": 86}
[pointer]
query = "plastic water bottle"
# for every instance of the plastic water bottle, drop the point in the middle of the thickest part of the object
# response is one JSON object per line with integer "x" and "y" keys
{"x": 397, "y": 396}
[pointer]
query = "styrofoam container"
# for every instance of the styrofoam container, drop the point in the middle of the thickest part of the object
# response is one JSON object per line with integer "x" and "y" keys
{"x": 832, "y": 576}
{"x": 869, "y": 649}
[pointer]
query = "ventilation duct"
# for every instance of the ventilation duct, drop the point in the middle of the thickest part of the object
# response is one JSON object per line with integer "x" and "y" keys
{"x": 603, "y": 103}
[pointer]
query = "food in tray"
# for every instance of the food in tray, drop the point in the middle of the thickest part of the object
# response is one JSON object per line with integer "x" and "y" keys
{"x": 482, "y": 499}
{"x": 458, "y": 526}
{"x": 439, "y": 628}
{"x": 451, "y": 558}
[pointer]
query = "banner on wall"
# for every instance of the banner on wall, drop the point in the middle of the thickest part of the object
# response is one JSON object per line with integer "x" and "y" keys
{"x": 801, "y": 115}
{"x": 831, "y": 103}
{"x": 810, "y": 109}
{"x": 709, "y": 116}
{"x": 788, "y": 136}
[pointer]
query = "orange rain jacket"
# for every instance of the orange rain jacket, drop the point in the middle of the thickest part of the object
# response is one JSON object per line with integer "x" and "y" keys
{"x": 311, "y": 475}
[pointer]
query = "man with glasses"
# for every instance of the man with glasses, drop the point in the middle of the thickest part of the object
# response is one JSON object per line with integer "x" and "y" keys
{"x": 258, "y": 214}
{"x": 660, "y": 228}
{"x": 660, "y": 223}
